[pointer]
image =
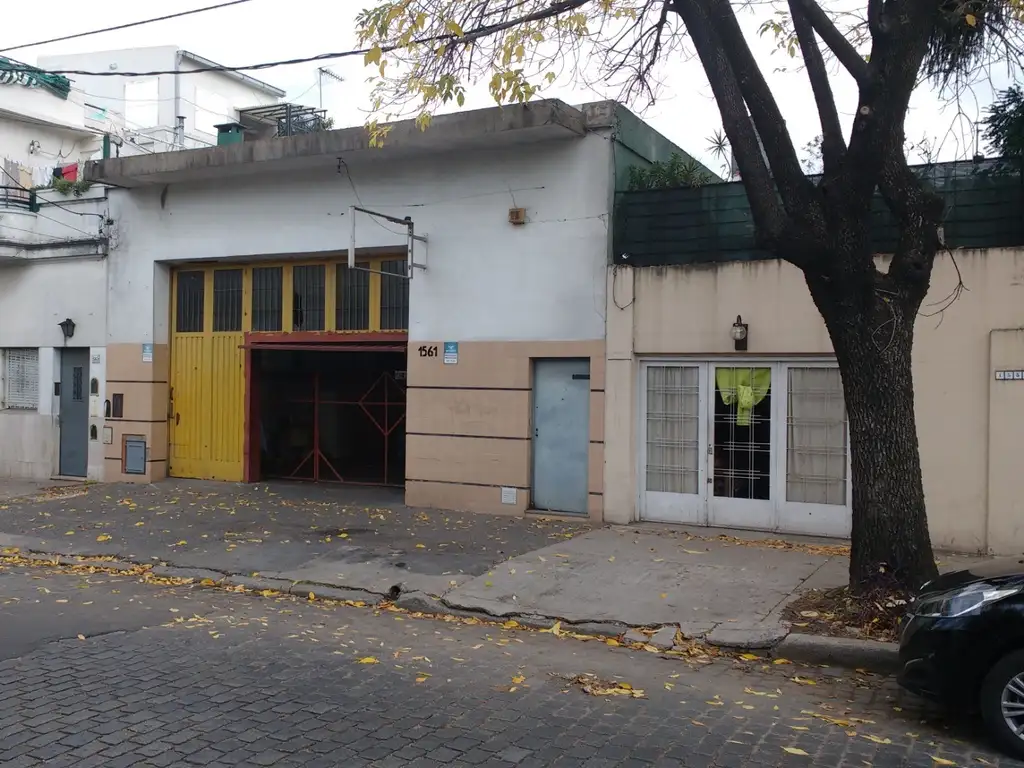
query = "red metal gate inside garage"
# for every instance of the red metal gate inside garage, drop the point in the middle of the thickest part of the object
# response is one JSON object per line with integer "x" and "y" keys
{"x": 329, "y": 413}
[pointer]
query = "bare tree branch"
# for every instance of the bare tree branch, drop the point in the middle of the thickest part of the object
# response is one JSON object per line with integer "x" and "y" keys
{"x": 832, "y": 145}
{"x": 768, "y": 118}
{"x": 836, "y": 41}
{"x": 768, "y": 214}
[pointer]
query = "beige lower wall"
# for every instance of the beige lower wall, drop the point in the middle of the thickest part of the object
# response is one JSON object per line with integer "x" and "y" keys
{"x": 468, "y": 426}
{"x": 689, "y": 311}
{"x": 144, "y": 386}
{"x": 1006, "y": 419}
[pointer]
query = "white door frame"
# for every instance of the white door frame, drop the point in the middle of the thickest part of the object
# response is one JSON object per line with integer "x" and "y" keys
{"x": 728, "y": 511}
{"x": 679, "y": 508}
{"x": 702, "y": 508}
{"x": 799, "y": 517}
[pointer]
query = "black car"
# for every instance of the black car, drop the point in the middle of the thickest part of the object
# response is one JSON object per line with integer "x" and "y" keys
{"x": 963, "y": 645}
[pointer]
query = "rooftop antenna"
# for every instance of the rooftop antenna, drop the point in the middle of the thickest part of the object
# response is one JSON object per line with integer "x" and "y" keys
{"x": 321, "y": 73}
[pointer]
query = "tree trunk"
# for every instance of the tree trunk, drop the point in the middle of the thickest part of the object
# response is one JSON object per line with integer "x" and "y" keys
{"x": 872, "y": 332}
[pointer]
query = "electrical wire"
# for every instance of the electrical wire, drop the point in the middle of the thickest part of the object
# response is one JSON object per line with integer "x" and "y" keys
{"x": 58, "y": 221}
{"x": 125, "y": 26}
{"x": 200, "y": 70}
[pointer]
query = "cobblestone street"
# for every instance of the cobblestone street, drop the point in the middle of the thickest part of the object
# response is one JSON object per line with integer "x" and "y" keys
{"x": 103, "y": 670}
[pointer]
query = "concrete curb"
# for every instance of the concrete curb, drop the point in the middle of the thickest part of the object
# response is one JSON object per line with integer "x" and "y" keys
{"x": 850, "y": 653}
{"x": 773, "y": 640}
{"x": 196, "y": 574}
{"x": 325, "y": 592}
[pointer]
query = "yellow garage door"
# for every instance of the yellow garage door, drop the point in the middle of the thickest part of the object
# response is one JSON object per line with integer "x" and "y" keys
{"x": 208, "y": 373}
{"x": 214, "y": 307}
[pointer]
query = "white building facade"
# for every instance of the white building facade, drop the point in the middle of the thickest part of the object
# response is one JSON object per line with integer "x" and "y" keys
{"x": 160, "y": 113}
{"x": 240, "y": 344}
{"x": 52, "y": 267}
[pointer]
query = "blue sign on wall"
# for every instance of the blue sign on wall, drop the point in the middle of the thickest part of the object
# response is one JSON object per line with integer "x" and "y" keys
{"x": 451, "y": 353}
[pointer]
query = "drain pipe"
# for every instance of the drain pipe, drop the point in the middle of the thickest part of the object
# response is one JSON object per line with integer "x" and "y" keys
{"x": 179, "y": 119}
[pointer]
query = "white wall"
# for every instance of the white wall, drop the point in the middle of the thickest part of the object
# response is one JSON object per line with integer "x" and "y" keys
{"x": 34, "y": 114}
{"x": 486, "y": 279}
{"x": 37, "y": 295}
{"x": 235, "y": 95}
{"x": 60, "y": 219}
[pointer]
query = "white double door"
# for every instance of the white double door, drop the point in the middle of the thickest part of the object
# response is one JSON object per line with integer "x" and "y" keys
{"x": 758, "y": 444}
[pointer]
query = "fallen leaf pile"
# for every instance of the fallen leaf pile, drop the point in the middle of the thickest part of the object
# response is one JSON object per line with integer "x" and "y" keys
{"x": 840, "y": 613}
{"x": 594, "y": 686}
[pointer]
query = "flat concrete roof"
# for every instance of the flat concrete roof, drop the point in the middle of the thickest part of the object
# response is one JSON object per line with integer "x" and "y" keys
{"x": 495, "y": 126}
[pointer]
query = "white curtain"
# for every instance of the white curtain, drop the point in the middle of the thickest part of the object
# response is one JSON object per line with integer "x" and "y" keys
{"x": 816, "y": 446}
{"x": 673, "y": 421}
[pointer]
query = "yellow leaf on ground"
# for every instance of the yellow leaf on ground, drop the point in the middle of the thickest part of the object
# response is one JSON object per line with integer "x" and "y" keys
{"x": 782, "y": 661}
{"x": 518, "y": 679}
{"x": 312, "y": 596}
{"x": 971, "y": 19}
{"x": 799, "y": 727}
{"x": 421, "y": 679}
{"x": 104, "y": 537}
{"x": 81, "y": 637}
{"x": 942, "y": 761}
{"x": 794, "y": 751}
{"x": 663, "y": 595}
{"x": 750, "y": 657}
{"x": 180, "y": 543}
{"x": 877, "y": 739}
{"x": 368, "y": 660}
{"x": 612, "y": 642}
{"x": 421, "y": 546}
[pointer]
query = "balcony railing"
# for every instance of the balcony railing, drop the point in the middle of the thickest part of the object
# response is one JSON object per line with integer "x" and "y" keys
{"x": 18, "y": 197}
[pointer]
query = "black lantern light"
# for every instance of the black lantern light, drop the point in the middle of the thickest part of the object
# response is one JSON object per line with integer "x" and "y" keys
{"x": 739, "y": 334}
{"x": 67, "y": 327}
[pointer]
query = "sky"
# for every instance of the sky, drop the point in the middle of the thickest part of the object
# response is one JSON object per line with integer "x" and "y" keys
{"x": 269, "y": 30}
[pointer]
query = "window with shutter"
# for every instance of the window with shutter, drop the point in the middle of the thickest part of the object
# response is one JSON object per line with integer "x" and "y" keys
{"x": 21, "y": 379}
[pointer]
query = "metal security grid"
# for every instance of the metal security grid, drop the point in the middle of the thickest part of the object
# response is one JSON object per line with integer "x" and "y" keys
{"x": 227, "y": 300}
{"x": 353, "y": 310}
{"x": 267, "y": 295}
{"x": 21, "y": 379}
{"x": 76, "y": 384}
{"x": 394, "y": 296}
{"x": 673, "y": 429}
{"x": 309, "y": 284}
{"x": 742, "y": 452}
{"x": 383, "y": 405}
{"x": 816, "y": 440}
{"x": 190, "y": 300}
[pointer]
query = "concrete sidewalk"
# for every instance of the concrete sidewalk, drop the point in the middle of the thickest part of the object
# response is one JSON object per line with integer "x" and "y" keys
{"x": 647, "y": 577}
{"x": 726, "y": 587}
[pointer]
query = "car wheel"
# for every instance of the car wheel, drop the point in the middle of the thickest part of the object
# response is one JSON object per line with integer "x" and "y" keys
{"x": 1002, "y": 704}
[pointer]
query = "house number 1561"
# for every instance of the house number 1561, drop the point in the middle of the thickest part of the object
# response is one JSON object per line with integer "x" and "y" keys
{"x": 428, "y": 351}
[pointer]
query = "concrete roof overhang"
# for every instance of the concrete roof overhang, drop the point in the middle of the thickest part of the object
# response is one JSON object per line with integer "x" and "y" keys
{"x": 494, "y": 127}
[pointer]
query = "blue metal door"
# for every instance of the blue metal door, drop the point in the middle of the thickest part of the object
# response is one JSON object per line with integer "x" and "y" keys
{"x": 561, "y": 435}
{"x": 74, "y": 412}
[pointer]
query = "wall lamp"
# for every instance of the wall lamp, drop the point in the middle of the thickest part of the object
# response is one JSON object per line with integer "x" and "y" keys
{"x": 67, "y": 327}
{"x": 739, "y": 334}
